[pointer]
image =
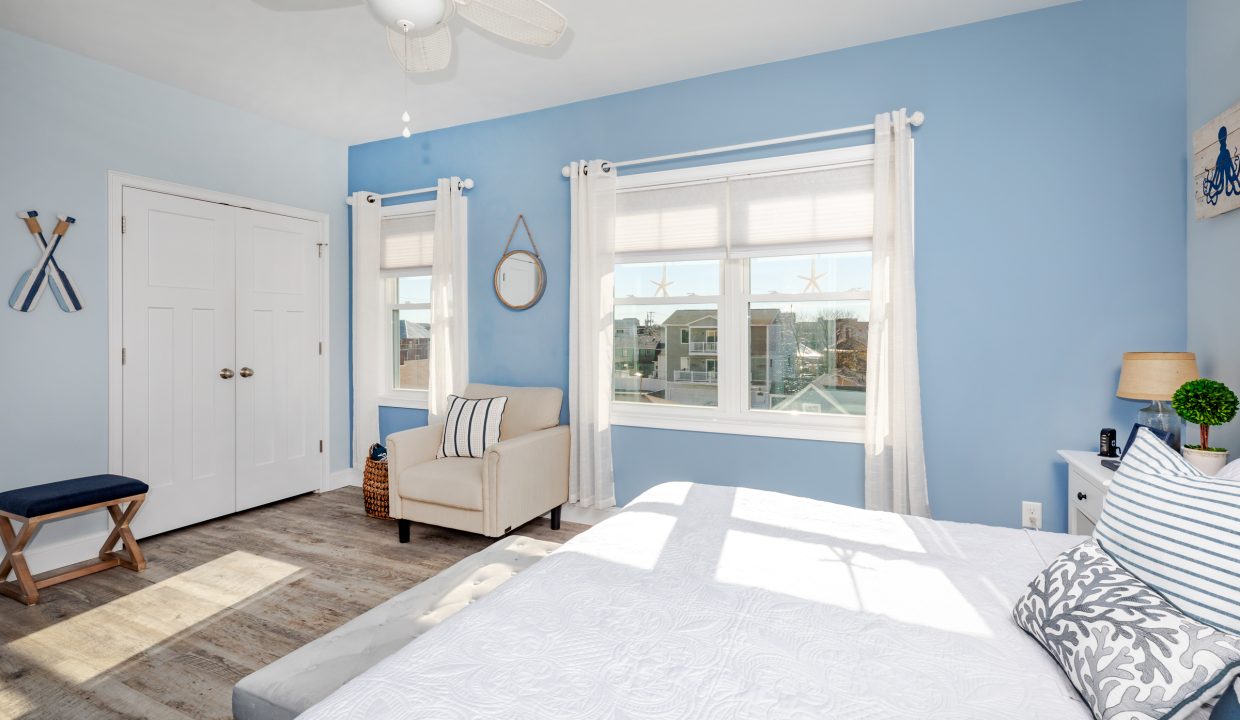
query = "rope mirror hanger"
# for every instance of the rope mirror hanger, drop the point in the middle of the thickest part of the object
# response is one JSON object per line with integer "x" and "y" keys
{"x": 520, "y": 278}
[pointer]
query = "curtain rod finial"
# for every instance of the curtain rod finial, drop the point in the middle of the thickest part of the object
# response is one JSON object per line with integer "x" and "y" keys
{"x": 467, "y": 184}
{"x": 917, "y": 118}
{"x": 566, "y": 171}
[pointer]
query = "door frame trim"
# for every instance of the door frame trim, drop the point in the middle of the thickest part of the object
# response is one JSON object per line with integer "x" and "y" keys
{"x": 117, "y": 182}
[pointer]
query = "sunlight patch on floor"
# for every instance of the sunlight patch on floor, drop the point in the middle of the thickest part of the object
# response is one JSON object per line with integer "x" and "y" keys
{"x": 13, "y": 703}
{"x": 87, "y": 645}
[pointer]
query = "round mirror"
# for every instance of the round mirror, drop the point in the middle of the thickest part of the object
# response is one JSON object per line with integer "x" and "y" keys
{"x": 520, "y": 279}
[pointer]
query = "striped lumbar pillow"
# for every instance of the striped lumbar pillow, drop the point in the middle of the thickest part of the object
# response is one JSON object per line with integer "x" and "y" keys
{"x": 471, "y": 427}
{"x": 1177, "y": 530}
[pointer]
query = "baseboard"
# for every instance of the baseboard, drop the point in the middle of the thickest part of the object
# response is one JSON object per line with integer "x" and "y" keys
{"x": 343, "y": 478}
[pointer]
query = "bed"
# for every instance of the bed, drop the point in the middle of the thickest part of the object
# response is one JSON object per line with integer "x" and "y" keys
{"x": 701, "y": 601}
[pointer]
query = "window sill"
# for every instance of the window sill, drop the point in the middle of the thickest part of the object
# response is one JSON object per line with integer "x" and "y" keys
{"x": 409, "y": 400}
{"x": 826, "y": 428}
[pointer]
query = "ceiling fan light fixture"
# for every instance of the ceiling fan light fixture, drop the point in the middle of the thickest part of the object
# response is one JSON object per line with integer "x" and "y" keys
{"x": 420, "y": 36}
{"x": 419, "y": 15}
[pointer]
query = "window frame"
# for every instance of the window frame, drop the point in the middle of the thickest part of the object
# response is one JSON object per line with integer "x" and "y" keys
{"x": 733, "y": 415}
{"x": 393, "y": 396}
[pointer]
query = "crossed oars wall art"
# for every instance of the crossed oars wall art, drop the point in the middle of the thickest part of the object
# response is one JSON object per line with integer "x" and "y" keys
{"x": 47, "y": 271}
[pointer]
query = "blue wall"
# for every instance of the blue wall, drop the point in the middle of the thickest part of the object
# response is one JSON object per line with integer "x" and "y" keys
{"x": 1050, "y": 180}
{"x": 67, "y": 121}
{"x": 393, "y": 419}
{"x": 1214, "y": 243}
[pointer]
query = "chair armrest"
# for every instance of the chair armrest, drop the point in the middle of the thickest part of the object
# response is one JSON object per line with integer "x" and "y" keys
{"x": 406, "y": 449}
{"x": 413, "y": 447}
{"x": 526, "y": 476}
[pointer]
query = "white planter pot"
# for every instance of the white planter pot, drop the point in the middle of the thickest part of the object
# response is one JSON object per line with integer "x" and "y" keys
{"x": 1208, "y": 462}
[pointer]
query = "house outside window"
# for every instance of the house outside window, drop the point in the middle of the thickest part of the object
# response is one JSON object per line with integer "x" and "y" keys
{"x": 742, "y": 296}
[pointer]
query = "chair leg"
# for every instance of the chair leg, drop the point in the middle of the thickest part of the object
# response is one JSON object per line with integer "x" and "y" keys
{"x": 402, "y": 527}
{"x": 555, "y": 517}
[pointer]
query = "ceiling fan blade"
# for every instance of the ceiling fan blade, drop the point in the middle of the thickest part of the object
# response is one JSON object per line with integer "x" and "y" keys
{"x": 422, "y": 53}
{"x": 531, "y": 22}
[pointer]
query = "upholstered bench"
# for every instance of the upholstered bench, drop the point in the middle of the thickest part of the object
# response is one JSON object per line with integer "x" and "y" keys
{"x": 33, "y": 506}
{"x": 291, "y": 685}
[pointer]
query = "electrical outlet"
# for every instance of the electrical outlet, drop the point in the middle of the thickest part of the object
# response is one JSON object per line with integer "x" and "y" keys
{"x": 1031, "y": 515}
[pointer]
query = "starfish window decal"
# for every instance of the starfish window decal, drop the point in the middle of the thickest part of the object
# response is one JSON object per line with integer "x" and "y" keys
{"x": 661, "y": 285}
{"x": 811, "y": 280}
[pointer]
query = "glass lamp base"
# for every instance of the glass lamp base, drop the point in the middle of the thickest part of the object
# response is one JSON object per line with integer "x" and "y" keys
{"x": 1159, "y": 415}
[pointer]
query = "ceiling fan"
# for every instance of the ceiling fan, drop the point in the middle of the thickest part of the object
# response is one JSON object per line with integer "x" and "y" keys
{"x": 418, "y": 33}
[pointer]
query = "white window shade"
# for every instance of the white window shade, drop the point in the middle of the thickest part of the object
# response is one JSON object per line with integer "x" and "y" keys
{"x": 689, "y": 221}
{"x": 407, "y": 242}
{"x": 796, "y": 211}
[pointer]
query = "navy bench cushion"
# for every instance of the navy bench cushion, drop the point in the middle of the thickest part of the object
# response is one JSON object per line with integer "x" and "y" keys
{"x": 68, "y": 494}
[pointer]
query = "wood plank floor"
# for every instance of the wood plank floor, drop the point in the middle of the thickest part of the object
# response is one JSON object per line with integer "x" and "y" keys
{"x": 218, "y": 601}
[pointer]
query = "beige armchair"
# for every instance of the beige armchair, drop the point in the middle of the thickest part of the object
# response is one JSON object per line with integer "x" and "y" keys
{"x": 519, "y": 478}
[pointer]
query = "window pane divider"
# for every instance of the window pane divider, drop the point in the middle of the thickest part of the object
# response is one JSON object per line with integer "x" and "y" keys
{"x": 733, "y": 382}
{"x": 670, "y": 300}
{"x": 815, "y": 297}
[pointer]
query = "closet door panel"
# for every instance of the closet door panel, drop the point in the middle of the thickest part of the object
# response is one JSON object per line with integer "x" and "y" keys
{"x": 178, "y": 333}
{"x": 279, "y": 403}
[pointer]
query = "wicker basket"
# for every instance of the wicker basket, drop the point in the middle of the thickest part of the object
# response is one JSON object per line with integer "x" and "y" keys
{"x": 375, "y": 488}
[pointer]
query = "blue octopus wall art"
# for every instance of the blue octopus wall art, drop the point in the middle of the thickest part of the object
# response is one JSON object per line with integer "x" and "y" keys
{"x": 1222, "y": 179}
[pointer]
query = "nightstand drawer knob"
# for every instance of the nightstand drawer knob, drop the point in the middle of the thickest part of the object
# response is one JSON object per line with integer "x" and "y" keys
{"x": 1081, "y": 496}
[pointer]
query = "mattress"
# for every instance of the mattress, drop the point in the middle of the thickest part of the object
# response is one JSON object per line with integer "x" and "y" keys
{"x": 701, "y": 601}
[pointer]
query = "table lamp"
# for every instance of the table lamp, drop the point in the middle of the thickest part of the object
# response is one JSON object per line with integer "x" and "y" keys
{"x": 1155, "y": 376}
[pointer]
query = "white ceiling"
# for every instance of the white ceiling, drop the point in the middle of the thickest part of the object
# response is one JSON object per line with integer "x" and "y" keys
{"x": 329, "y": 70}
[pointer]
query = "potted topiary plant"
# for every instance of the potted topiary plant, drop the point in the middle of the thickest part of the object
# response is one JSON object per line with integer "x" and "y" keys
{"x": 1205, "y": 403}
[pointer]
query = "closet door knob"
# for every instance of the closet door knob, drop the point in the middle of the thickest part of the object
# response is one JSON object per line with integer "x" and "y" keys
{"x": 226, "y": 373}
{"x": 246, "y": 372}
{"x": 1079, "y": 496}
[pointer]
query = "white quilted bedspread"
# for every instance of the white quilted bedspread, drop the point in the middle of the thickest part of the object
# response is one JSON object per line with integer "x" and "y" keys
{"x": 712, "y": 602}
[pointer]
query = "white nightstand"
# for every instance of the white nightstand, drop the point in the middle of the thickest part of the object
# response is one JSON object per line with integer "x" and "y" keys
{"x": 1088, "y": 482}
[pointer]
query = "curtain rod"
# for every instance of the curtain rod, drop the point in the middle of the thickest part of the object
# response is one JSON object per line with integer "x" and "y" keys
{"x": 916, "y": 119}
{"x": 466, "y": 184}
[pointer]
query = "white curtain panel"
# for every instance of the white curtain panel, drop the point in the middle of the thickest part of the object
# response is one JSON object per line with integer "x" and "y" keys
{"x": 895, "y": 462}
{"x": 590, "y": 334}
{"x": 367, "y": 324}
{"x": 449, "y": 298}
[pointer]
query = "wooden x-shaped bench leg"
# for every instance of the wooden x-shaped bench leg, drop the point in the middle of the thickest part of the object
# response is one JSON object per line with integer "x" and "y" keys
{"x": 136, "y": 560}
{"x": 24, "y": 588}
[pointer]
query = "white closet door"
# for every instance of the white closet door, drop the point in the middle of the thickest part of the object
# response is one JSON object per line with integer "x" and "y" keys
{"x": 178, "y": 331}
{"x": 279, "y": 399}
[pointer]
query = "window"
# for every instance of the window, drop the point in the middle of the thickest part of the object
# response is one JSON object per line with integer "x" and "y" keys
{"x": 742, "y": 296}
{"x": 807, "y": 350}
{"x": 407, "y": 238}
{"x": 409, "y": 314}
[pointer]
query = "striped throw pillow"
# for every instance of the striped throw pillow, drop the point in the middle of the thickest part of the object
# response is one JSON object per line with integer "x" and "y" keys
{"x": 1177, "y": 530}
{"x": 471, "y": 427}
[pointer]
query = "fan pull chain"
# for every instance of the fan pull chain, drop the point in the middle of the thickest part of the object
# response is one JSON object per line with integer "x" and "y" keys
{"x": 404, "y": 82}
